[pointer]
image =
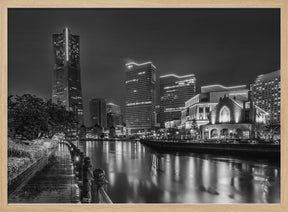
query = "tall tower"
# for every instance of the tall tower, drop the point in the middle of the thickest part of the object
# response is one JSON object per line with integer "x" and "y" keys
{"x": 66, "y": 88}
{"x": 265, "y": 92}
{"x": 140, "y": 96}
{"x": 174, "y": 92}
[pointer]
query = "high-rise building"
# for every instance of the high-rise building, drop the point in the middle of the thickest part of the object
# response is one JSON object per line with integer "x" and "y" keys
{"x": 113, "y": 115}
{"x": 140, "y": 96}
{"x": 174, "y": 92}
{"x": 66, "y": 88}
{"x": 98, "y": 113}
{"x": 265, "y": 93}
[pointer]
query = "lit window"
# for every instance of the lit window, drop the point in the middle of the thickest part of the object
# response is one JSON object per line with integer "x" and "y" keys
{"x": 224, "y": 115}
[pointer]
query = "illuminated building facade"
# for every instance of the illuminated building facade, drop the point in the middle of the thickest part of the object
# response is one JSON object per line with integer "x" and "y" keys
{"x": 66, "y": 88}
{"x": 174, "y": 92}
{"x": 98, "y": 113}
{"x": 266, "y": 91}
{"x": 199, "y": 107}
{"x": 140, "y": 96}
{"x": 232, "y": 118}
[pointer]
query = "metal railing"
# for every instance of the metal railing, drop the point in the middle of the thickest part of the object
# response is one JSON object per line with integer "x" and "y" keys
{"x": 92, "y": 184}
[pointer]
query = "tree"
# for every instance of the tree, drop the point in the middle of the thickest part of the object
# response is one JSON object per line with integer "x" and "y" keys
{"x": 194, "y": 129}
{"x": 30, "y": 117}
{"x": 112, "y": 132}
{"x": 271, "y": 131}
{"x": 97, "y": 130}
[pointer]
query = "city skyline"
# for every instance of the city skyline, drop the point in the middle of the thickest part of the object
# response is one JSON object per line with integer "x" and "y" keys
{"x": 195, "y": 41}
{"x": 150, "y": 105}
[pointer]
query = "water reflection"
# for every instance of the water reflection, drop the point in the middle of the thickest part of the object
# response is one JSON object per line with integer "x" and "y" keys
{"x": 137, "y": 174}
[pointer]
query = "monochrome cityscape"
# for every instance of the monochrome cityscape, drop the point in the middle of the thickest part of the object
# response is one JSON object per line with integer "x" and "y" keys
{"x": 163, "y": 135}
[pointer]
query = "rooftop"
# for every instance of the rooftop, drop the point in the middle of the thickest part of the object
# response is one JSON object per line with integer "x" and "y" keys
{"x": 217, "y": 87}
{"x": 268, "y": 76}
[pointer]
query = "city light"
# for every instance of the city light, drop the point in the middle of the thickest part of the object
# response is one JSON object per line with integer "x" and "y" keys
{"x": 139, "y": 103}
{"x": 224, "y": 87}
{"x": 177, "y": 76}
{"x": 67, "y": 44}
{"x": 133, "y": 80}
{"x": 130, "y": 65}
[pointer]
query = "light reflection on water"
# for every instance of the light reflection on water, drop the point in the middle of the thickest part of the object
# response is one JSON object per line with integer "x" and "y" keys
{"x": 138, "y": 174}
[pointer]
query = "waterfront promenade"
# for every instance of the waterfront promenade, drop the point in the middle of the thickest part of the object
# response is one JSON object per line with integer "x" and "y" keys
{"x": 54, "y": 184}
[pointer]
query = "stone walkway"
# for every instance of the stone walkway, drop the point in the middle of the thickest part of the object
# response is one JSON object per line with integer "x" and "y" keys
{"x": 54, "y": 184}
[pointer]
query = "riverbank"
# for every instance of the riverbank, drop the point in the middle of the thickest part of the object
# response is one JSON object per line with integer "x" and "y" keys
{"x": 263, "y": 151}
{"x": 24, "y": 157}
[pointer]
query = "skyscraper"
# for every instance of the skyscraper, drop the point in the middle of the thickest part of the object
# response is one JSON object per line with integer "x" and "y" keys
{"x": 140, "y": 96}
{"x": 113, "y": 115}
{"x": 265, "y": 93}
{"x": 174, "y": 92}
{"x": 66, "y": 88}
{"x": 98, "y": 113}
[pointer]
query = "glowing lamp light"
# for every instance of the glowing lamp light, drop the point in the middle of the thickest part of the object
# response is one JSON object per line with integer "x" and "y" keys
{"x": 77, "y": 158}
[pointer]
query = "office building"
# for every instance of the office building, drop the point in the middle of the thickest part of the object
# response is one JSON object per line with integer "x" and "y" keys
{"x": 98, "y": 113}
{"x": 174, "y": 92}
{"x": 266, "y": 92}
{"x": 66, "y": 87}
{"x": 140, "y": 97}
{"x": 114, "y": 117}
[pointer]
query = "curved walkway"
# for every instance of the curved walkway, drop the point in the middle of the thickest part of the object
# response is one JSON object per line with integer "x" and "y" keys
{"x": 54, "y": 184}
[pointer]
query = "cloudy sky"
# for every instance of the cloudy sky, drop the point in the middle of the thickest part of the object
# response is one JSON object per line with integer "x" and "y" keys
{"x": 223, "y": 46}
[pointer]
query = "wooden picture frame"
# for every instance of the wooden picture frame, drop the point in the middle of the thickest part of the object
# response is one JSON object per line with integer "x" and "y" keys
{"x": 5, "y": 4}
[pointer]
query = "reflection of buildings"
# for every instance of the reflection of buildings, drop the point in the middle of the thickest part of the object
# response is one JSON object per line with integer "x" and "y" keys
{"x": 98, "y": 112}
{"x": 140, "y": 96}
{"x": 66, "y": 89}
{"x": 198, "y": 108}
{"x": 174, "y": 91}
{"x": 266, "y": 94}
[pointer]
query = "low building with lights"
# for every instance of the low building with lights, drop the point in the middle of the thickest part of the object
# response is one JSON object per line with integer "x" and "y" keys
{"x": 197, "y": 109}
{"x": 233, "y": 118}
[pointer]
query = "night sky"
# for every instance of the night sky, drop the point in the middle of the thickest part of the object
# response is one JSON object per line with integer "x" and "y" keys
{"x": 223, "y": 46}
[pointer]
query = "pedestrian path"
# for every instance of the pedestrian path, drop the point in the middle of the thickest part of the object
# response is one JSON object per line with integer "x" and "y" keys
{"x": 54, "y": 184}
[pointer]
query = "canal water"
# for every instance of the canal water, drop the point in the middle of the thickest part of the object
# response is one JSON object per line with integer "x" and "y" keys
{"x": 138, "y": 174}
